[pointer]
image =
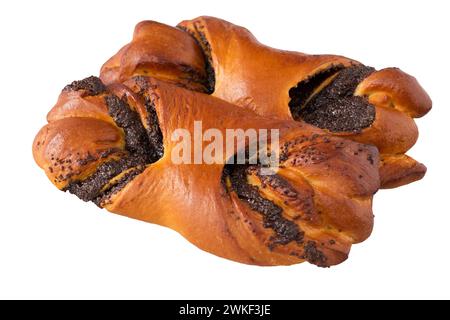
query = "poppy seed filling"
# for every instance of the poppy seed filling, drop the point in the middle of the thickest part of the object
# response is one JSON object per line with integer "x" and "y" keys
{"x": 285, "y": 230}
{"x": 334, "y": 108}
{"x": 91, "y": 188}
{"x": 154, "y": 133}
{"x": 203, "y": 43}
{"x": 92, "y": 85}
{"x": 300, "y": 94}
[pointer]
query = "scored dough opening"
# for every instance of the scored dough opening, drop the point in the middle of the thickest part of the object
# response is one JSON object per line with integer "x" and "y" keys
{"x": 326, "y": 99}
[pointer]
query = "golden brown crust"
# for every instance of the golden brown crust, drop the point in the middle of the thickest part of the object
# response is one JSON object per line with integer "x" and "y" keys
{"x": 193, "y": 200}
{"x": 398, "y": 170}
{"x": 398, "y": 90}
{"x": 160, "y": 51}
{"x": 66, "y": 152}
{"x": 78, "y": 103}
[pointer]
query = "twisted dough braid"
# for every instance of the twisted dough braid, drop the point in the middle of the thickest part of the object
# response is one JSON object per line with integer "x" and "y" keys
{"x": 109, "y": 141}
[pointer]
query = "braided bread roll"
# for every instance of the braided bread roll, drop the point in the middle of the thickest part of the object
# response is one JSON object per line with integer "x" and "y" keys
{"x": 334, "y": 93}
{"x": 113, "y": 144}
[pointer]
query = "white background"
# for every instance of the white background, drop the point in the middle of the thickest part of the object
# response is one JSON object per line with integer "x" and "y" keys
{"x": 54, "y": 246}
